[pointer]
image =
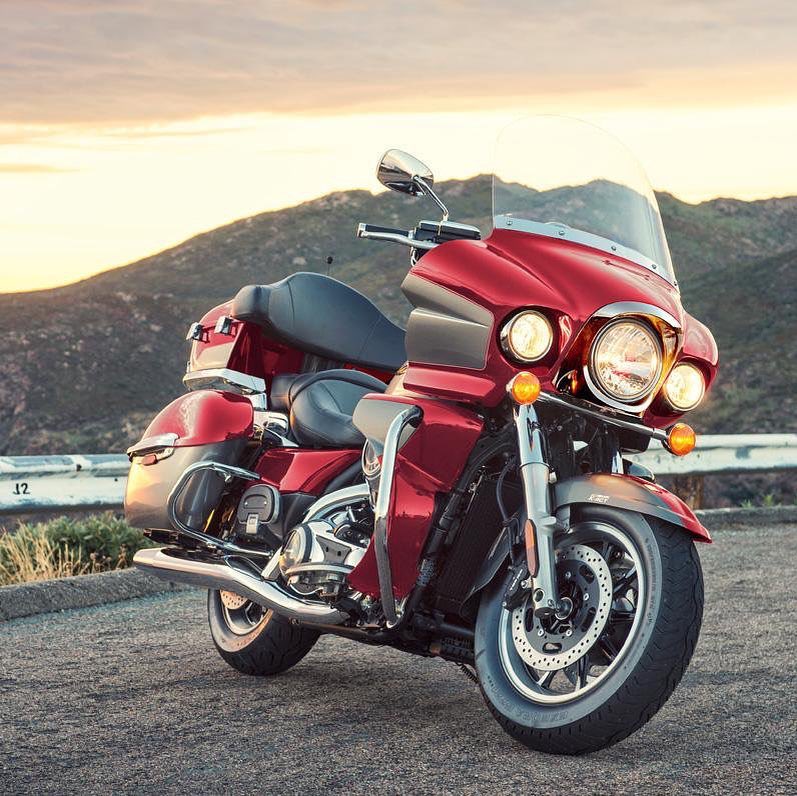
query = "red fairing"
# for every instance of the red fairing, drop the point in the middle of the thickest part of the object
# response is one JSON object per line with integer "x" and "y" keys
{"x": 430, "y": 462}
{"x": 300, "y": 470}
{"x": 512, "y": 270}
{"x": 204, "y": 417}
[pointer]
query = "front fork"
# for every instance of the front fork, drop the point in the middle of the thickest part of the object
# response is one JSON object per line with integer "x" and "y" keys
{"x": 540, "y": 525}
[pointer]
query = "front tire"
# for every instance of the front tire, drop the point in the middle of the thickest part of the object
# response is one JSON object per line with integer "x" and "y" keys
{"x": 253, "y": 640}
{"x": 620, "y": 682}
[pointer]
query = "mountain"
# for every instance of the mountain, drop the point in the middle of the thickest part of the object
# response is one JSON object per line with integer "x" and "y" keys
{"x": 84, "y": 367}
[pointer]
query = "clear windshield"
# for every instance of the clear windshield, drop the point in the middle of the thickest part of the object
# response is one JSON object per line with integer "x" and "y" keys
{"x": 567, "y": 179}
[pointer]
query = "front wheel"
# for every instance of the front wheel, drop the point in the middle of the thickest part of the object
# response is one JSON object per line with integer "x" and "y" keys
{"x": 252, "y": 639}
{"x": 592, "y": 675}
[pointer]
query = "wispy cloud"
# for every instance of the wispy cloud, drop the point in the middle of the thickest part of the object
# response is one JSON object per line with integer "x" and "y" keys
{"x": 31, "y": 168}
{"x": 143, "y": 61}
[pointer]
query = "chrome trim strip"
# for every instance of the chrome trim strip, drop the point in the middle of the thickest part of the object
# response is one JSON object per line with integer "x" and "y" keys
{"x": 158, "y": 442}
{"x": 335, "y": 501}
{"x": 174, "y": 564}
{"x": 563, "y": 232}
{"x": 224, "y": 378}
{"x": 636, "y": 308}
{"x": 409, "y": 416}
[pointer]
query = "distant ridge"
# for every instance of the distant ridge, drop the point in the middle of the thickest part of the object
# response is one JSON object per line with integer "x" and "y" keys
{"x": 83, "y": 367}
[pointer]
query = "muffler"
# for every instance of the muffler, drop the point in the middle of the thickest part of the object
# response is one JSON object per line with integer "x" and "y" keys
{"x": 232, "y": 574}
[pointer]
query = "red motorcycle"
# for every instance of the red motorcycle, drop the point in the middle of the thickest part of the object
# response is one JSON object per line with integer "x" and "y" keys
{"x": 464, "y": 488}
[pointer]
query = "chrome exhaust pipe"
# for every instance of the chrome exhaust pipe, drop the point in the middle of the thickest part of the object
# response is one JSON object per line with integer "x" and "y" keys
{"x": 174, "y": 564}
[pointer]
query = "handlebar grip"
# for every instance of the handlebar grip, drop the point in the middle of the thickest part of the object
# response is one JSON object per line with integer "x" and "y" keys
{"x": 369, "y": 228}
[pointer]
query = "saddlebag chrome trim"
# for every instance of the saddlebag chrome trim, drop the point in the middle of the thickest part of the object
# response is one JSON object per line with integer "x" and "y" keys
{"x": 231, "y": 574}
{"x": 159, "y": 442}
{"x": 224, "y": 379}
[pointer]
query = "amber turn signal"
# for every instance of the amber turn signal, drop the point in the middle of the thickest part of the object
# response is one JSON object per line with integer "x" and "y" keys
{"x": 525, "y": 388}
{"x": 681, "y": 439}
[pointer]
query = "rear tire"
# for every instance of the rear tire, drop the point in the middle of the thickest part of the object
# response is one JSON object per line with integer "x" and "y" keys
{"x": 647, "y": 669}
{"x": 272, "y": 646}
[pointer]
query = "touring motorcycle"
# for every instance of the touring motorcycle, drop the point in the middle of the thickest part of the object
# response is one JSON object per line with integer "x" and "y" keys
{"x": 465, "y": 487}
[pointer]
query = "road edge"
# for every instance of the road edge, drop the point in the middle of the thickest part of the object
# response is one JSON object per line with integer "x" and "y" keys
{"x": 81, "y": 591}
{"x": 85, "y": 591}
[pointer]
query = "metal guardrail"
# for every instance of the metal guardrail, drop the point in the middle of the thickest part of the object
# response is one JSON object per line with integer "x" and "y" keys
{"x": 31, "y": 484}
{"x": 61, "y": 483}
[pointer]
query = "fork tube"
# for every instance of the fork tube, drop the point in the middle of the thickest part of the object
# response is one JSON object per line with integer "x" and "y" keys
{"x": 540, "y": 524}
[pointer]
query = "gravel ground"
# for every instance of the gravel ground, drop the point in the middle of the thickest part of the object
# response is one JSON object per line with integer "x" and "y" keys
{"x": 132, "y": 697}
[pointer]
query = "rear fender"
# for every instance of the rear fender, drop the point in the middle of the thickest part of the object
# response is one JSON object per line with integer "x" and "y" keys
{"x": 624, "y": 492}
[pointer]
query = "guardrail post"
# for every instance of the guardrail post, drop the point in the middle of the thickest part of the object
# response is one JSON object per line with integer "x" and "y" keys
{"x": 690, "y": 489}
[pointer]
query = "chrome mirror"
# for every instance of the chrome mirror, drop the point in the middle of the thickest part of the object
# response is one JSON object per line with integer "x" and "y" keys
{"x": 404, "y": 173}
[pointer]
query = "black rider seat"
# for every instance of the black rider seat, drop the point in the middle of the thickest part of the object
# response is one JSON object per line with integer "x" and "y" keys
{"x": 321, "y": 405}
{"x": 322, "y": 316}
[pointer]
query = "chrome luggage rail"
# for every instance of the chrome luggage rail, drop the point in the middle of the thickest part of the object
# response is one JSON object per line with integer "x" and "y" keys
{"x": 228, "y": 472}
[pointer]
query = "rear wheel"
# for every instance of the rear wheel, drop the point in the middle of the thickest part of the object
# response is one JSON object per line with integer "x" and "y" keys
{"x": 252, "y": 639}
{"x": 587, "y": 678}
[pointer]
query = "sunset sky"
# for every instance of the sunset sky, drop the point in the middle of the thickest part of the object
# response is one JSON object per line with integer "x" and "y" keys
{"x": 127, "y": 126}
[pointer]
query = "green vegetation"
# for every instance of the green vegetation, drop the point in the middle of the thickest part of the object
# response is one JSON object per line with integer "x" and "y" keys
{"x": 65, "y": 546}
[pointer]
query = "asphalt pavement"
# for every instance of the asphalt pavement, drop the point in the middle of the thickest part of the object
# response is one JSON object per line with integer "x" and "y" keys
{"x": 132, "y": 697}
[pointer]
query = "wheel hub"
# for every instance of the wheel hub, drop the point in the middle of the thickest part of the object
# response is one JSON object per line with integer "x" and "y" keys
{"x": 553, "y": 642}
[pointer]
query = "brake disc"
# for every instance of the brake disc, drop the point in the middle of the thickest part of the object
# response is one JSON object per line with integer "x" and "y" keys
{"x": 232, "y": 601}
{"x": 549, "y": 643}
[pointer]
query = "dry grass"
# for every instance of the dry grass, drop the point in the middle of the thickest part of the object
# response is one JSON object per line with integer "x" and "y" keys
{"x": 37, "y": 558}
{"x": 64, "y": 547}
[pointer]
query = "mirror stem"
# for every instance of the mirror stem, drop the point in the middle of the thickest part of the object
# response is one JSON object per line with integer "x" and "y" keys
{"x": 427, "y": 190}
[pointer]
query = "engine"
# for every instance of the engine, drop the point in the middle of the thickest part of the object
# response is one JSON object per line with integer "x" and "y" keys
{"x": 318, "y": 555}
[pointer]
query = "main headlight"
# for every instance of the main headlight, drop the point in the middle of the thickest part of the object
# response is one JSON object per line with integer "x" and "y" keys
{"x": 527, "y": 337}
{"x": 625, "y": 360}
{"x": 685, "y": 387}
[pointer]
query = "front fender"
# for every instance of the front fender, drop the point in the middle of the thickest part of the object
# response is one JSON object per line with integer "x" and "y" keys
{"x": 625, "y": 492}
{"x": 632, "y": 494}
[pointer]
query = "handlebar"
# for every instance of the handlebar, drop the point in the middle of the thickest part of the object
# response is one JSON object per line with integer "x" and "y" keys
{"x": 402, "y": 236}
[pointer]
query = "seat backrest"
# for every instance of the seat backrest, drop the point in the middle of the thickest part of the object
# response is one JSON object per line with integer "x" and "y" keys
{"x": 323, "y": 316}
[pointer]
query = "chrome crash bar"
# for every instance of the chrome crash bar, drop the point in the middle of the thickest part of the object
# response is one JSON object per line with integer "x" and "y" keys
{"x": 410, "y": 416}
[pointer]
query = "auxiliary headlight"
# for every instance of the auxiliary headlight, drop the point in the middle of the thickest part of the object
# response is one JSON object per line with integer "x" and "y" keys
{"x": 625, "y": 360}
{"x": 527, "y": 337}
{"x": 685, "y": 387}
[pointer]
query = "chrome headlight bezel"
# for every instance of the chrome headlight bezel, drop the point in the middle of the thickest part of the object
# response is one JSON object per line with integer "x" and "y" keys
{"x": 596, "y": 383}
{"x": 511, "y": 347}
{"x": 666, "y": 392}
